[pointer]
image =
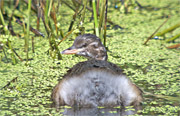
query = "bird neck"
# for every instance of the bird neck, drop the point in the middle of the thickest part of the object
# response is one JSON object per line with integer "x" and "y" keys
{"x": 98, "y": 57}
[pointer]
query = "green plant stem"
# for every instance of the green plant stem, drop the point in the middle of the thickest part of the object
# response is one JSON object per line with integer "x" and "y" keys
{"x": 46, "y": 11}
{"x": 12, "y": 53}
{"x": 66, "y": 36}
{"x": 8, "y": 41}
{"x": 152, "y": 35}
{"x": 74, "y": 18}
{"x": 170, "y": 29}
{"x": 108, "y": 20}
{"x": 5, "y": 54}
{"x": 101, "y": 17}
{"x": 50, "y": 6}
{"x": 3, "y": 22}
{"x": 2, "y": 19}
{"x": 55, "y": 48}
{"x": 84, "y": 11}
{"x": 95, "y": 18}
{"x": 173, "y": 38}
{"x": 28, "y": 32}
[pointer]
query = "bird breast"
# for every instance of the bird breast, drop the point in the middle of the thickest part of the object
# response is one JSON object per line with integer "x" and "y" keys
{"x": 96, "y": 83}
{"x": 96, "y": 88}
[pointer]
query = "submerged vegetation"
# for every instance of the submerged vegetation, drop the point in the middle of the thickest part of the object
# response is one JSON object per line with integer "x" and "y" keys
{"x": 32, "y": 37}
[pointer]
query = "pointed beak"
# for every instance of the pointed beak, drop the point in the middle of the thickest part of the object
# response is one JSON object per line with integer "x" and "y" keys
{"x": 71, "y": 50}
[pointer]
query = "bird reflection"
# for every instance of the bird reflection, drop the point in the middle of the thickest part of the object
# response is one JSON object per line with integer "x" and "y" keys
{"x": 76, "y": 111}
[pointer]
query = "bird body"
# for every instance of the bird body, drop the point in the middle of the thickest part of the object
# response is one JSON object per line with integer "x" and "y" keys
{"x": 95, "y": 82}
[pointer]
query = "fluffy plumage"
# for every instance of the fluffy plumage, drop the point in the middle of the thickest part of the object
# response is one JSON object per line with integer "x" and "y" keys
{"x": 95, "y": 82}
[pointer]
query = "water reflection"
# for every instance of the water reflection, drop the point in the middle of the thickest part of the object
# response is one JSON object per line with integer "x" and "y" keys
{"x": 98, "y": 111}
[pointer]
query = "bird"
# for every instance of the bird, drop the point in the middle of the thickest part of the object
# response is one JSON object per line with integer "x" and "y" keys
{"x": 95, "y": 82}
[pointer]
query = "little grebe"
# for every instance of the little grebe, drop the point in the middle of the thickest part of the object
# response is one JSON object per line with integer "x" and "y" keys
{"x": 95, "y": 82}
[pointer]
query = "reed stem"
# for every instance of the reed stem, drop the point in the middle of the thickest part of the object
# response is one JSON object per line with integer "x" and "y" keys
{"x": 28, "y": 31}
{"x": 8, "y": 41}
{"x": 95, "y": 18}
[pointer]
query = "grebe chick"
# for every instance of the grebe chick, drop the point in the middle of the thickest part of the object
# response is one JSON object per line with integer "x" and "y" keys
{"x": 95, "y": 82}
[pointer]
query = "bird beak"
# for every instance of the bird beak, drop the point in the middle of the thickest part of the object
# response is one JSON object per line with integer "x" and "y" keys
{"x": 74, "y": 51}
{"x": 71, "y": 51}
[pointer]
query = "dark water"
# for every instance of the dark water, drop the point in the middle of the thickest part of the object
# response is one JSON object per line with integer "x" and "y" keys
{"x": 98, "y": 111}
{"x": 167, "y": 100}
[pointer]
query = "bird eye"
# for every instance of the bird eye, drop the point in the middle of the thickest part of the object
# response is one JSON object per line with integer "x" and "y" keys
{"x": 95, "y": 46}
{"x": 84, "y": 45}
